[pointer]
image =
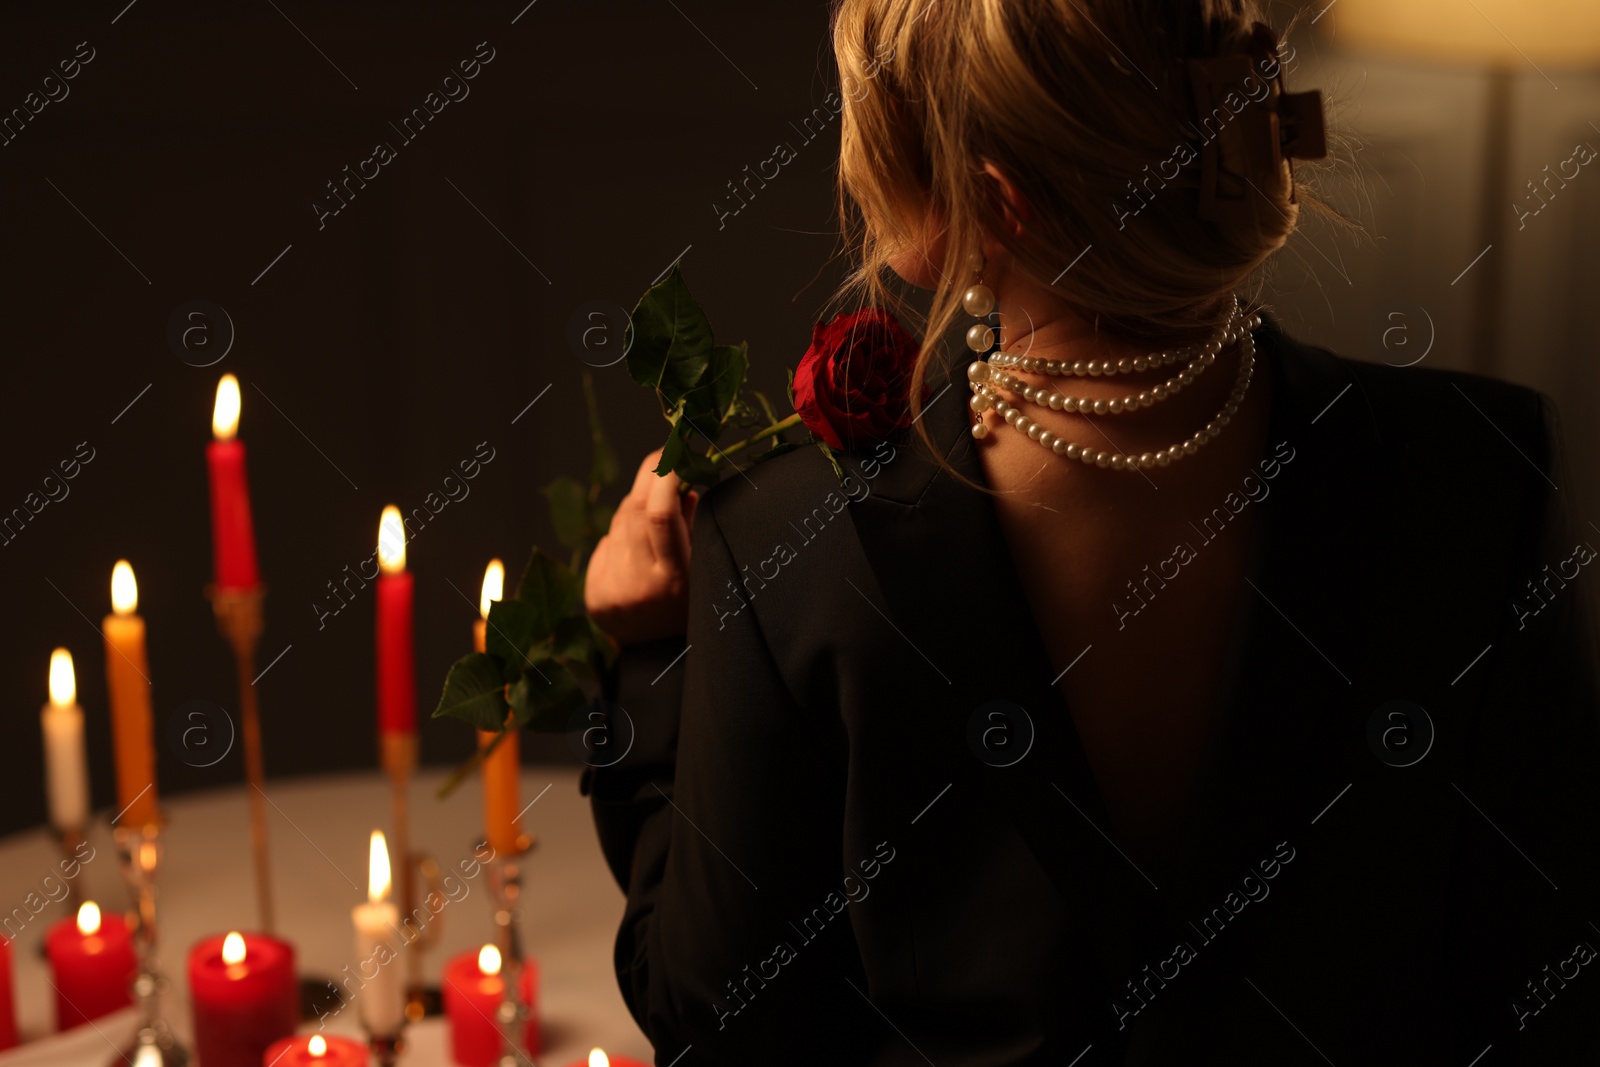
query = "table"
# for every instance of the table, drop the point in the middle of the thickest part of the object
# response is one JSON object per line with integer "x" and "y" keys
{"x": 318, "y": 829}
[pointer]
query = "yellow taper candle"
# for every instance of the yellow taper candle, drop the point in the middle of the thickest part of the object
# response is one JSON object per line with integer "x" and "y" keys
{"x": 128, "y": 686}
{"x": 502, "y": 766}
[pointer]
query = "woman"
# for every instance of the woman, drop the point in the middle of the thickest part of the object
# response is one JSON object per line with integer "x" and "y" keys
{"x": 1237, "y": 710}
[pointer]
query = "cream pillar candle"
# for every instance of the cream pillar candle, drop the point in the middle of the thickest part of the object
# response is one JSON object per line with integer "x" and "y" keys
{"x": 381, "y": 1000}
{"x": 66, "y": 768}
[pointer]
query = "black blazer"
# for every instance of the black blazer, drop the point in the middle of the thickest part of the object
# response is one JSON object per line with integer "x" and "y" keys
{"x": 855, "y": 825}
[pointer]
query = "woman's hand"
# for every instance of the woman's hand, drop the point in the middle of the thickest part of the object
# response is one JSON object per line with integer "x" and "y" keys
{"x": 637, "y": 586}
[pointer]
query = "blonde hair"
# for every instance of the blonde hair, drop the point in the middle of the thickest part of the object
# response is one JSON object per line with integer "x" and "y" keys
{"x": 1076, "y": 101}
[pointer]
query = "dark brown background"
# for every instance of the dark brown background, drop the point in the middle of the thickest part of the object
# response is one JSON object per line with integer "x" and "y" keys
{"x": 395, "y": 339}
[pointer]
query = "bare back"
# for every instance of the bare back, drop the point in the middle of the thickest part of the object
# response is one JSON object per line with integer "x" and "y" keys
{"x": 1089, "y": 545}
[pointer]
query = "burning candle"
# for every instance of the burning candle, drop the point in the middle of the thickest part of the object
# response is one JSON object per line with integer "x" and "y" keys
{"x": 128, "y": 685}
{"x": 397, "y": 673}
{"x": 233, "y": 539}
{"x": 382, "y": 994}
{"x": 316, "y": 1051}
{"x": 473, "y": 989}
{"x": 66, "y": 769}
{"x": 245, "y": 997}
{"x": 8, "y": 1007}
{"x": 500, "y": 767}
{"x": 92, "y": 965}
{"x": 598, "y": 1058}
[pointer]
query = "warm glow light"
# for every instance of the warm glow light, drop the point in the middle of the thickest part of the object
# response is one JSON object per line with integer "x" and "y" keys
{"x": 317, "y": 1046}
{"x": 89, "y": 918}
{"x": 233, "y": 949}
{"x": 1507, "y": 32}
{"x": 494, "y": 586}
{"x": 63, "y": 685}
{"x": 489, "y": 960}
{"x": 597, "y": 1058}
{"x": 391, "y": 541}
{"x": 225, "y": 416}
{"x": 378, "y": 869}
{"x": 124, "y": 590}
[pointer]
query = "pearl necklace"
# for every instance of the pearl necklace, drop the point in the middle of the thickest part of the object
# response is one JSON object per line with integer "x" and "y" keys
{"x": 984, "y": 377}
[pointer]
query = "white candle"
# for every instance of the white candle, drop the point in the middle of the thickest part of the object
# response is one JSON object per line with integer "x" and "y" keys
{"x": 66, "y": 768}
{"x": 382, "y": 999}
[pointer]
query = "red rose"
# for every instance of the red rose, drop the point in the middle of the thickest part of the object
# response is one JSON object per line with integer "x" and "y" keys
{"x": 853, "y": 385}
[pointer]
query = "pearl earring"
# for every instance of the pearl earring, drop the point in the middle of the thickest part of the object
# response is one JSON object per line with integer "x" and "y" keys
{"x": 978, "y": 301}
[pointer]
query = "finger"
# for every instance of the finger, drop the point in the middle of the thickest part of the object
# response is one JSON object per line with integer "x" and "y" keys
{"x": 669, "y": 538}
{"x": 691, "y": 503}
{"x": 643, "y": 480}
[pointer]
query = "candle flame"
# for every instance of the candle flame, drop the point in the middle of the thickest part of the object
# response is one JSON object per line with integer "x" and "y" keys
{"x": 233, "y": 949}
{"x": 89, "y": 918}
{"x": 225, "y": 416}
{"x": 63, "y": 684}
{"x": 489, "y": 960}
{"x": 597, "y": 1058}
{"x": 317, "y": 1046}
{"x": 494, "y": 586}
{"x": 378, "y": 869}
{"x": 391, "y": 541}
{"x": 124, "y": 590}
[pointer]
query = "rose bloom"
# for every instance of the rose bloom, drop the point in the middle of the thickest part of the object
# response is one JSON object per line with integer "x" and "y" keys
{"x": 853, "y": 385}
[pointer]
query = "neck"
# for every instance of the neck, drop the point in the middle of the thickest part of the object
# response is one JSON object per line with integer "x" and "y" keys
{"x": 1035, "y": 323}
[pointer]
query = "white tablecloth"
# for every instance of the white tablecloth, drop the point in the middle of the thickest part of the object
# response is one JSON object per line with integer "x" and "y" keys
{"x": 318, "y": 830}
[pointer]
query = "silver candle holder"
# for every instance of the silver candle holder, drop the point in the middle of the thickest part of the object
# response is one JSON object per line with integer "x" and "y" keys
{"x": 505, "y": 883}
{"x": 139, "y": 857}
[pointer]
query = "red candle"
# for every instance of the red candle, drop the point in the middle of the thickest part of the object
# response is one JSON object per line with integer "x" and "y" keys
{"x": 245, "y": 997}
{"x": 397, "y": 671}
{"x": 598, "y": 1058}
{"x": 92, "y": 964}
{"x": 314, "y": 1050}
{"x": 8, "y": 1009}
{"x": 473, "y": 990}
{"x": 233, "y": 539}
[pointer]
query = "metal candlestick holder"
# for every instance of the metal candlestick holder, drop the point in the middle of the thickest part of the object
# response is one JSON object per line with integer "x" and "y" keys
{"x": 386, "y": 1048}
{"x": 139, "y": 857}
{"x": 505, "y": 883}
{"x": 70, "y": 841}
{"x": 239, "y": 619}
{"x": 398, "y": 754}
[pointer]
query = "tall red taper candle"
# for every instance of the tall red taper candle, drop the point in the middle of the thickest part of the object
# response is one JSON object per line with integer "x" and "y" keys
{"x": 397, "y": 671}
{"x": 233, "y": 538}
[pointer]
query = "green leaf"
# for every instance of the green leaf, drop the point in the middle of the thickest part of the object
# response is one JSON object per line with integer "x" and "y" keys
{"x": 573, "y": 638}
{"x": 608, "y": 653}
{"x": 545, "y": 699}
{"x": 826, "y": 451}
{"x": 604, "y": 472}
{"x": 677, "y": 456}
{"x": 789, "y": 385}
{"x": 600, "y": 519}
{"x": 552, "y": 588}
{"x": 671, "y": 340}
{"x": 730, "y": 364}
{"x": 513, "y": 628}
{"x": 569, "y": 510}
{"x": 474, "y": 693}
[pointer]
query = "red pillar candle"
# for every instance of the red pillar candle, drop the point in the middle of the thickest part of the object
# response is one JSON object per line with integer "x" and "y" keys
{"x": 8, "y": 1005}
{"x": 92, "y": 964}
{"x": 598, "y": 1058}
{"x": 473, "y": 990}
{"x": 233, "y": 538}
{"x": 315, "y": 1050}
{"x": 244, "y": 994}
{"x": 397, "y": 672}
